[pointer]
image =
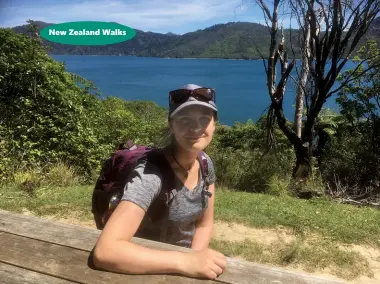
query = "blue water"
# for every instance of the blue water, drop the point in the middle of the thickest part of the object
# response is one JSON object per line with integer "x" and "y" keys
{"x": 241, "y": 91}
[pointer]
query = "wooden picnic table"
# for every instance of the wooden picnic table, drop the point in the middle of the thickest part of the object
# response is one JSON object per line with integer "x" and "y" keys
{"x": 36, "y": 250}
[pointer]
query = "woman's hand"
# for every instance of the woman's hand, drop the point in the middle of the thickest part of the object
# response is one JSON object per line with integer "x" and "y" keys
{"x": 206, "y": 263}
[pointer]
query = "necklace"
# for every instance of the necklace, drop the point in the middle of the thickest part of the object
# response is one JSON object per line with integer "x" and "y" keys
{"x": 186, "y": 171}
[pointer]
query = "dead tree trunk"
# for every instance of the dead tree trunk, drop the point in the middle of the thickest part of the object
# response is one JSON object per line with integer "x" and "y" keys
{"x": 301, "y": 87}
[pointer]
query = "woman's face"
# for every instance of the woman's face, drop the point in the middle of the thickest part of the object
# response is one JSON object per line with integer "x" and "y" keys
{"x": 193, "y": 127}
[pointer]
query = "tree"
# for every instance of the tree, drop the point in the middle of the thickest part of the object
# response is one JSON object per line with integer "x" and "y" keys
{"x": 360, "y": 103}
{"x": 45, "y": 116}
{"x": 335, "y": 27}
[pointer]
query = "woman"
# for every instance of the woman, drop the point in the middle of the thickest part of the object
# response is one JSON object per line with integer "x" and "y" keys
{"x": 189, "y": 222}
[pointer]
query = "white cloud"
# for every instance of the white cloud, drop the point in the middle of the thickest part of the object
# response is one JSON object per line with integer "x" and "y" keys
{"x": 153, "y": 15}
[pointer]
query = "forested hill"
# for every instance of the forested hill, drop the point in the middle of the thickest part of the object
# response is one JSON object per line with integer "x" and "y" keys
{"x": 240, "y": 40}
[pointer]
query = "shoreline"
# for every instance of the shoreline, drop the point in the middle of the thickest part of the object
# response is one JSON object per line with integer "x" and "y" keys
{"x": 158, "y": 57}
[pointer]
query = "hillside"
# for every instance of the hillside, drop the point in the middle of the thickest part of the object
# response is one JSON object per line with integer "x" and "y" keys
{"x": 238, "y": 40}
{"x": 233, "y": 40}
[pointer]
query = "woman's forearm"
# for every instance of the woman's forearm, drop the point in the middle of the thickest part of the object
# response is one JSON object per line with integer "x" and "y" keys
{"x": 127, "y": 257}
{"x": 202, "y": 237}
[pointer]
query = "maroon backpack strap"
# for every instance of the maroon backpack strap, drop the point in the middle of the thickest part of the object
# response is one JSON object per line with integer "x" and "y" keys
{"x": 205, "y": 172}
{"x": 168, "y": 190}
{"x": 204, "y": 166}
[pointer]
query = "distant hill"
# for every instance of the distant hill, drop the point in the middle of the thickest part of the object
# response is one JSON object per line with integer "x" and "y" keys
{"x": 237, "y": 40}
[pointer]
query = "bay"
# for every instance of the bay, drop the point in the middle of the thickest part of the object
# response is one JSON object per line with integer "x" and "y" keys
{"x": 241, "y": 91}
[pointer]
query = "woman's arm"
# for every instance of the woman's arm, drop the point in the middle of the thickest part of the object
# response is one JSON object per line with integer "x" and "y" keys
{"x": 115, "y": 252}
{"x": 204, "y": 226}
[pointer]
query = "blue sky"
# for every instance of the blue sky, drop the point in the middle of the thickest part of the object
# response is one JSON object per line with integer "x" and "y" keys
{"x": 148, "y": 15}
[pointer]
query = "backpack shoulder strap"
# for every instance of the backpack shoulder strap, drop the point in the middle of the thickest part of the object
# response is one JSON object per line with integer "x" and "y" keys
{"x": 205, "y": 172}
{"x": 168, "y": 190}
{"x": 168, "y": 176}
{"x": 204, "y": 166}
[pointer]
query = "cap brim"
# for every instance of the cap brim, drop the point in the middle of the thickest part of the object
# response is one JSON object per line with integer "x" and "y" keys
{"x": 192, "y": 103}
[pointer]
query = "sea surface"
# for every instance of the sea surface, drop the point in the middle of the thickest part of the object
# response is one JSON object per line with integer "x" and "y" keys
{"x": 241, "y": 90}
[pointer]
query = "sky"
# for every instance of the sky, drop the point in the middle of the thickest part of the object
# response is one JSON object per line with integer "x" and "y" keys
{"x": 162, "y": 16}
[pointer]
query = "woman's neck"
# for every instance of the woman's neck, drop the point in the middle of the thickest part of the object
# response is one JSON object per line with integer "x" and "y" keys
{"x": 185, "y": 158}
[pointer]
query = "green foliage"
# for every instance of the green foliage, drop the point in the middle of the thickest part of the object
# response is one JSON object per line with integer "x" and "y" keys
{"x": 115, "y": 122}
{"x": 152, "y": 120}
{"x": 49, "y": 116}
{"x": 61, "y": 174}
{"x": 31, "y": 178}
{"x": 120, "y": 120}
{"x": 27, "y": 180}
{"x": 360, "y": 97}
{"x": 354, "y": 151}
{"x": 278, "y": 186}
{"x": 328, "y": 121}
{"x": 243, "y": 163}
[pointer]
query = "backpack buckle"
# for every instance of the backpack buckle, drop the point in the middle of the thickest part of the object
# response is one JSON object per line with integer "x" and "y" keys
{"x": 208, "y": 193}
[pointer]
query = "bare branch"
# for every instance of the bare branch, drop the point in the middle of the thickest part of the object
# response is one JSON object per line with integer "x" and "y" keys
{"x": 262, "y": 57}
{"x": 336, "y": 33}
{"x": 265, "y": 9}
{"x": 377, "y": 98}
{"x": 296, "y": 12}
{"x": 351, "y": 78}
{"x": 350, "y": 31}
{"x": 291, "y": 40}
{"x": 271, "y": 79}
{"x": 298, "y": 9}
{"x": 362, "y": 30}
{"x": 281, "y": 121}
{"x": 276, "y": 56}
{"x": 299, "y": 85}
{"x": 363, "y": 24}
{"x": 325, "y": 17}
{"x": 281, "y": 85}
{"x": 294, "y": 80}
{"x": 357, "y": 25}
{"x": 267, "y": 24}
{"x": 314, "y": 38}
{"x": 353, "y": 13}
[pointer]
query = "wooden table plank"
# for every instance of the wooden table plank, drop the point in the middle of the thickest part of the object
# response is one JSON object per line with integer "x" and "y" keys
{"x": 60, "y": 233}
{"x": 237, "y": 272}
{"x": 10, "y": 274}
{"x": 71, "y": 264}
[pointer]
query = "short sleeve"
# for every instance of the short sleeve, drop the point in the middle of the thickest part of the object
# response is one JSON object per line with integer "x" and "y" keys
{"x": 211, "y": 169}
{"x": 143, "y": 186}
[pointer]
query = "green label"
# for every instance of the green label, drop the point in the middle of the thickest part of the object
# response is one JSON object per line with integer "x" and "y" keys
{"x": 87, "y": 33}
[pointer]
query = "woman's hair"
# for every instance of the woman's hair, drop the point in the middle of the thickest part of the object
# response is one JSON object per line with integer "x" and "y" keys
{"x": 166, "y": 138}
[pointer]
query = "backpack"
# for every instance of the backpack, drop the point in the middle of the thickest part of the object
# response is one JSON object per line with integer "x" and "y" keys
{"x": 114, "y": 175}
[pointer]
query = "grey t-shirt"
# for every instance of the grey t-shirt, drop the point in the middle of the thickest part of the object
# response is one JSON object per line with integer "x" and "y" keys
{"x": 178, "y": 227}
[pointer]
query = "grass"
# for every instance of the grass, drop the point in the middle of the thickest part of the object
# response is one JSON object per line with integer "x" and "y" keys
{"x": 74, "y": 201}
{"x": 340, "y": 222}
{"x": 299, "y": 253}
{"x": 333, "y": 224}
